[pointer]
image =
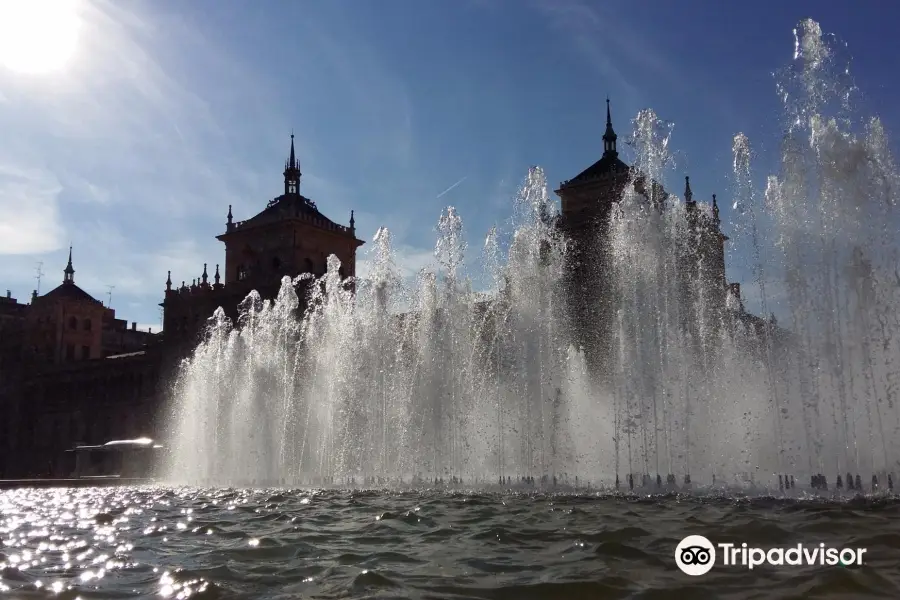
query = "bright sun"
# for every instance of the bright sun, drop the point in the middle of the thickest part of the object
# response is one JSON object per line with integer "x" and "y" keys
{"x": 37, "y": 36}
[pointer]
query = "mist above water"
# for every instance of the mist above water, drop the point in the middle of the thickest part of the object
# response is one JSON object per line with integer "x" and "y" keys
{"x": 389, "y": 379}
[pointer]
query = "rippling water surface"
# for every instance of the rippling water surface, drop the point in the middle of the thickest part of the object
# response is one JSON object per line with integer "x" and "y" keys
{"x": 228, "y": 543}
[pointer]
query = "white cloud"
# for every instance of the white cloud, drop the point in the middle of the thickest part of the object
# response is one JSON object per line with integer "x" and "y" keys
{"x": 30, "y": 222}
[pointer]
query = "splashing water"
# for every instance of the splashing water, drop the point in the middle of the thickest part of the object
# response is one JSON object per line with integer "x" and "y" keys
{"x": 382, "y": 380}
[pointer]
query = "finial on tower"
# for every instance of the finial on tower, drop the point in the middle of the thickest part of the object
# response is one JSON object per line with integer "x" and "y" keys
{"x": 216, "y": 277}
{"x": 204, "y": 278}
{"x": 230, "y": 218}
{"x": 609, "y": 137}
{"x": 69, "y": 272}
{"x": 169, "y": 282}
{"x": 688, "y": 194}
{"x": 715, "y": 210}
{"x": 352, "y": 222}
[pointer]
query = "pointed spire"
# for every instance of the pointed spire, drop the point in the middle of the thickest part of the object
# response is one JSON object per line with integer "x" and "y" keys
{"x": 204, "y": 277}
{"x": 352, "y": 222}
{"x": 292, "y": 172}
{"x": 715, "y": 210}
{"x": 609, "y": 137}
{"x": 216, "y": 277}
{"x": 688, "y": 194}
{"x": 169, "y": 282}
{"x": 293, "y": 160}
{"x": 69, "y": 272}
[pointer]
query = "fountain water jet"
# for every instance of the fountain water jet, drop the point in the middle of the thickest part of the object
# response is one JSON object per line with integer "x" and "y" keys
{"x": 381, "y": 381}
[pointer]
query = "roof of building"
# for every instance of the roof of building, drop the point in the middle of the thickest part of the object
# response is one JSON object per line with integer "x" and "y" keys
{"x": 287, "y": 206}
{"x": 70, "y": 291}
{"x": 610, "y": 163}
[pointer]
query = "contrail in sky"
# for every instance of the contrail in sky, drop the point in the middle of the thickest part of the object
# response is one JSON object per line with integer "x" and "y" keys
{"x": 452, "y": 187}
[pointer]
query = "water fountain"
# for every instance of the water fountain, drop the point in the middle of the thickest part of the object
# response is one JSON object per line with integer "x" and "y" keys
{"x": 436, "y": 383}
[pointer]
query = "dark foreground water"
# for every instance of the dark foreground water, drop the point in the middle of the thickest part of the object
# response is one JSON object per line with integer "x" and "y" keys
{"x": 152, "y": 542}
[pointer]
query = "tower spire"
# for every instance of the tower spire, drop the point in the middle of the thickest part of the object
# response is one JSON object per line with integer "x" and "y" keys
{"x": 688, "y": 194}
{"x": 609, "y": 137}
{"x": 69, "y": 272}
{"x": 292, "y": 172}
{"x": 293, "y": 163}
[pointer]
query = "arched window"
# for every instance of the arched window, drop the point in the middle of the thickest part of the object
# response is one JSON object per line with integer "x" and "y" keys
{"x": 87, "y": 324}
{"x": 73, "y": 323}
{"x": 241, "y": 272}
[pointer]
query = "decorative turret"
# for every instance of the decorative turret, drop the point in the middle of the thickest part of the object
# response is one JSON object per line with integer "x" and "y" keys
{"x": 169, "y": 282}
{"x": 609, "y": 137}
{"x": 352, "y": 222}
{"x": 688, "y": 194}
{"x": 229, "y": 224}
{"x": 216, "y": 278}
{"x": 204, "y": 278}
{"x": 69, "y": 272}
{"x": 292, "y": 172}
{"x": 715, "y": 211}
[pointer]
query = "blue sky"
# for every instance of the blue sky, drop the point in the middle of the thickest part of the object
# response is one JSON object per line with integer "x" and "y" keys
{"x": 169, "y": 111}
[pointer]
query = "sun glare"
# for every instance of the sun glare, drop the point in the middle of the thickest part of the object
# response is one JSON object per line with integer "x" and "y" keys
{"x": 37, "y": 36}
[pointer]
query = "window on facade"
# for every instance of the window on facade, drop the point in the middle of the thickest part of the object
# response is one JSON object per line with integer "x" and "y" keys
{"x": 85, "y": 352}
{"x": 87, "y": 324}
{"x": 70, "y": 352}
{"x": 241, "y": 272}
{"x": 73, "y": 323}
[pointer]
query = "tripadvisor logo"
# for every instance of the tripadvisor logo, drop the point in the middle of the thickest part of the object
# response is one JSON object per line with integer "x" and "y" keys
{"x": 695, "y": 555}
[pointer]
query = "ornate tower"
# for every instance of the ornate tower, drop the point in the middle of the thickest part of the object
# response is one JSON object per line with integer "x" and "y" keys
{"x": 290, "y": 236}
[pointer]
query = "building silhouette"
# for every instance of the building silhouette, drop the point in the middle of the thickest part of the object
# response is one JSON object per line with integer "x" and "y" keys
{"x": 287, "y": 238}
{"x": 70, "y": 371}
